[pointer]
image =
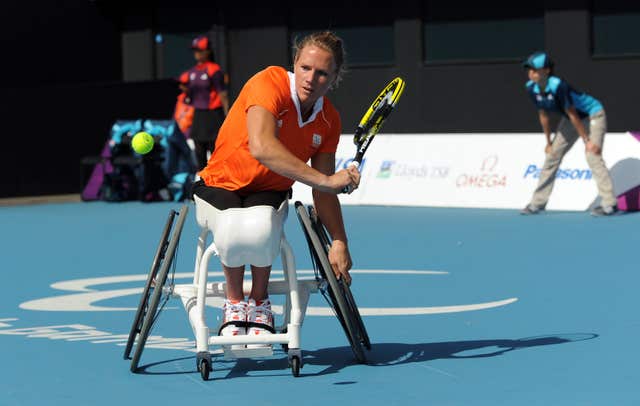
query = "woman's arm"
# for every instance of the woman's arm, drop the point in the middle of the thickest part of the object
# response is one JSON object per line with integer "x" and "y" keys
{"x": 577, "y": 123}
{"x": 546, "y": 128}
{"x": 329, "y": 210}
{"x": 270, "y": 152}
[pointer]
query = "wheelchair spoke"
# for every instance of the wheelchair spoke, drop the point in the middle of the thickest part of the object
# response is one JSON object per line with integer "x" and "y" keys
{"x": 159, "y": 287}
{"x": 336, "y": 293}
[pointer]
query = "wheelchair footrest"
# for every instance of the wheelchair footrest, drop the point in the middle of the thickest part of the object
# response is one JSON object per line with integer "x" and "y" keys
{"x": 234, "y": 353}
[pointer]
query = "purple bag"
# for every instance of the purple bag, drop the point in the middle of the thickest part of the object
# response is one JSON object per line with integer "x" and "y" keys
{"x": 92, "y": 189}
{"x": 630, "y": 200}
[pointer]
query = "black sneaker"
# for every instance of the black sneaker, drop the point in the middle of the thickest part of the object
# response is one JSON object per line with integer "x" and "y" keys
{"x": 530, "y": 209}
{"x": 604, "y": 211}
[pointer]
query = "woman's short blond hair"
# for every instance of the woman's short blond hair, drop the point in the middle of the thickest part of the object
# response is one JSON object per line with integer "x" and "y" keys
{"x": 328, "y": 41}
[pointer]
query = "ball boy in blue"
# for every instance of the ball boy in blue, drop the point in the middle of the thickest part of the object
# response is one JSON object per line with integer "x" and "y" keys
{"x": 582, "y": 116}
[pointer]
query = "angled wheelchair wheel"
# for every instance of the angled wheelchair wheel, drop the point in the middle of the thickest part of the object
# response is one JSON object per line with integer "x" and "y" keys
{"x": 158, "y": 287}
{"x": 337, "y": 293}
{"x": 351, "y": 303}
{"x": 343, "y": 288}
{"x": 136, "y": 327}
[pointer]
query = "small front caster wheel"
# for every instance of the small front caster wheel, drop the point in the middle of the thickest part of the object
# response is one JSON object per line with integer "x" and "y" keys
{"x": 204, "y": 367}
{"x": 295, "y": 366}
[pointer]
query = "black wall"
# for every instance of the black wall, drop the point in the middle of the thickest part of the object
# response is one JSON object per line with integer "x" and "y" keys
{"x": 63, "y": 71}
{"x": 63, "y": 90}
{"x": 42, "y": 148}
{"x": 450, "y": 97}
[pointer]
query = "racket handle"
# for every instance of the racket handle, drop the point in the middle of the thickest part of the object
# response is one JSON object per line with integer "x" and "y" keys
{"x": 355, "y": 164}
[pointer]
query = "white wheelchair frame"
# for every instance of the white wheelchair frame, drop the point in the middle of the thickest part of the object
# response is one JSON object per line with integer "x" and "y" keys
{"x": 194, "y": 297}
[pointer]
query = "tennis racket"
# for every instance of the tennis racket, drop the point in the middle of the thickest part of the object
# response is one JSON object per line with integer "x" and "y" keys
{"x": 373, "y": 119}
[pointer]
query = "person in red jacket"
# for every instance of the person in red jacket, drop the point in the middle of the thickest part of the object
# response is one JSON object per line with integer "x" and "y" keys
{"x": 205, "y": 89}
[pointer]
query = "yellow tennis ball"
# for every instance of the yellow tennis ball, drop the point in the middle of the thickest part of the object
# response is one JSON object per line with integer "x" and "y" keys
{"x": 142, "y": 143}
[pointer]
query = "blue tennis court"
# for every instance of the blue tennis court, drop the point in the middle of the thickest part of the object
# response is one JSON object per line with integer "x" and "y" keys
{"x": 463, "y": 307}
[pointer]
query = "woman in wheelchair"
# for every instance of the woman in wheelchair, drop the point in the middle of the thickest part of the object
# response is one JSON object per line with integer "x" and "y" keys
{"x": 279, "y": 122}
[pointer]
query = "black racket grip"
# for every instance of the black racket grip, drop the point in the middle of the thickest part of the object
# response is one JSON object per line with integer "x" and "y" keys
{"x": 355, "y": 163}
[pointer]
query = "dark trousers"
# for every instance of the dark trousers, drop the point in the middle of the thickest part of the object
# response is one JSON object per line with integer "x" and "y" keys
{"x": 204, "y": 131}
{"x": 223, "y": 199}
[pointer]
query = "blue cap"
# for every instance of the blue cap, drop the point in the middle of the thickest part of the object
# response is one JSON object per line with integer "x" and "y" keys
{"x": 538, "y": 60}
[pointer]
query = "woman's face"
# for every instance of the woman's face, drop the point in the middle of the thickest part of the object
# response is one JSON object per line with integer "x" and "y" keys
{"x": 201, "y": 56}
{"x": 315, "y": 72}
{"x": 538, "y": 75}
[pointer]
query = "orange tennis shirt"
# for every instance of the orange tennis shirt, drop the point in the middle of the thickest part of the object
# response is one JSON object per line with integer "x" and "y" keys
{"x": 232, "y": 166}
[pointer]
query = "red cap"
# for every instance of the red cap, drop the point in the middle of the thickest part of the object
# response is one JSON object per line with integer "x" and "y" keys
{"x": 201, "y": 43}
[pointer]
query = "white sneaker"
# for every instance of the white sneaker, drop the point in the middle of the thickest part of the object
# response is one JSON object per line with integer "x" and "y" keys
{"x": 234, "y": 312}
{"x": 260, "y": 320}
{"x": 604, "y": 211}
{"x": 531, "y": 209}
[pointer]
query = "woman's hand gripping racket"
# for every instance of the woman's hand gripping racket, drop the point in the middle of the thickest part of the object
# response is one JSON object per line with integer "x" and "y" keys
{"x": 373, "y": 119}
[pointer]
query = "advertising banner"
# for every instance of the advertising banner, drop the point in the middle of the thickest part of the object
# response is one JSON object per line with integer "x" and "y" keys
{"x": 478, "y": 170}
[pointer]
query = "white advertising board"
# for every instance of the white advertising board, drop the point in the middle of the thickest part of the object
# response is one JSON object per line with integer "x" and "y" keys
{"x": 478, "y": 170}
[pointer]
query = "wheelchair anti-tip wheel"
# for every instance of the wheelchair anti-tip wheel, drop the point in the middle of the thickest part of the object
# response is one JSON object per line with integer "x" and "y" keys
{"x": 338, "y": 293}
{"x": 158, "y": 287}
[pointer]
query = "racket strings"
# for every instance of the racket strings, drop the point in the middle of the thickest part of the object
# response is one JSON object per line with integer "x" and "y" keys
{"x": 373, "y": 122}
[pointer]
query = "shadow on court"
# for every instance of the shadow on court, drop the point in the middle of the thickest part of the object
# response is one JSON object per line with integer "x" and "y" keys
{"x": 394, "y": 354}
{"x": 383, "y": 354}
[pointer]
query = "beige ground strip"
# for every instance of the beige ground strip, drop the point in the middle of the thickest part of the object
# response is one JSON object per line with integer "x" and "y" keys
{"x": 31, "y": 200}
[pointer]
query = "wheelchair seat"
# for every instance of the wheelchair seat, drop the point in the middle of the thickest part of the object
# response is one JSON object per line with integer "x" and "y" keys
{"x": 248, "y": 235}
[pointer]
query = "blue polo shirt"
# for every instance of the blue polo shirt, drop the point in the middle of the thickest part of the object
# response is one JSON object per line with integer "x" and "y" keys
{"x": 558, "y": 96}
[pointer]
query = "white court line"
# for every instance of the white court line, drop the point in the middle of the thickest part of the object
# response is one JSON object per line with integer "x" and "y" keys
{"x": 445, "y": 373}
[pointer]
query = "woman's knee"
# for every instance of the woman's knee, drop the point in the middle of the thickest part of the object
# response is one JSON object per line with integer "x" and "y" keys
{"x": 594, "y": 160}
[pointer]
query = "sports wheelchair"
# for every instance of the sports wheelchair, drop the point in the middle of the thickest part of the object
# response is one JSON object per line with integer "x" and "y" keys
{"x": 160, "y": 287}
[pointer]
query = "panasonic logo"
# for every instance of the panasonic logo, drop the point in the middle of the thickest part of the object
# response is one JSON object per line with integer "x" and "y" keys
{"x": 533, "y": 172}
